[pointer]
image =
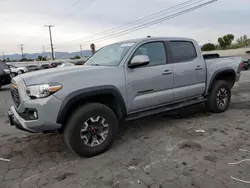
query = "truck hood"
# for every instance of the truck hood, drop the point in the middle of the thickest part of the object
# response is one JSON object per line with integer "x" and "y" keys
{"x": 59, "y": 74}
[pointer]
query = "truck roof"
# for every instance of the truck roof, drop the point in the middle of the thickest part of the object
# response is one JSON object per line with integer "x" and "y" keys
{"x": 155, "y": 38}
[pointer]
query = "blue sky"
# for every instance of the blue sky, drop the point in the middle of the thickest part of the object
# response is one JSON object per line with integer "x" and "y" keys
{"x": 22, "y": 22}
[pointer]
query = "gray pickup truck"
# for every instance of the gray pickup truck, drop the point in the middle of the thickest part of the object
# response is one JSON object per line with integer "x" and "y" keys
{"x": 122, "y": 81}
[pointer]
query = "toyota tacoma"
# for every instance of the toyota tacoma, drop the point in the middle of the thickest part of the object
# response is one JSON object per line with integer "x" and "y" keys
{"x": 123, "y": 81}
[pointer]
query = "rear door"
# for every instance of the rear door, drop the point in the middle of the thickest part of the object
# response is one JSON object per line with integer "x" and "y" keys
{"x": 150, "y": 85}
{"x": 189, "y": 70}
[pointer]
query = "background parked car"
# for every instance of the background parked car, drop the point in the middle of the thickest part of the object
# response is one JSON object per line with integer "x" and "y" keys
{"x": 66, "y": 65}
{"x": 32, "y": 68}
{"x": 80, "y": 62}
{"x": 4, "y": 74}
{"x": 53, "y": 65}
{"x": 14, "y": 71}
{"x": 246, "y": 64}
{"x": 45, "y": 66}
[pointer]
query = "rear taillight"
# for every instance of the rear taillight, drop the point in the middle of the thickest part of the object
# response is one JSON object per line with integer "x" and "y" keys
{"x": 241, "y": 67}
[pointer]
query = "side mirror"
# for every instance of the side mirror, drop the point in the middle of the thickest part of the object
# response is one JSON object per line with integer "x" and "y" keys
{"x": 139, "y": 60}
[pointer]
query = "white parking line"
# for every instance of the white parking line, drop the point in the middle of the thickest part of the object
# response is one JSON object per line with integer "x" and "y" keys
{"x": 243, "y": 181}
{"x": 6, "y": 160}
{"x": 239, "y": 162}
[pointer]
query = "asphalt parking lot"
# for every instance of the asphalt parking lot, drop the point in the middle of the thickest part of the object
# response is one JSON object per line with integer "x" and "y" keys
{"x": 156, "y": 152}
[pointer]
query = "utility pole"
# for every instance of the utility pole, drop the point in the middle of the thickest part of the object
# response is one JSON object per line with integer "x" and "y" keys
{"x": 21, "y": 47}
{"x": 3, "y": 56}
{"x": 81, "y": 50}
{"x": 43, "y": 49}
{"x": 51, "y": 43}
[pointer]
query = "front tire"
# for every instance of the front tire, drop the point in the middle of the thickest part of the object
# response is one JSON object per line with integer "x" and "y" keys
{"x": 91, "y": 130}
{"x": 219, "y": 98}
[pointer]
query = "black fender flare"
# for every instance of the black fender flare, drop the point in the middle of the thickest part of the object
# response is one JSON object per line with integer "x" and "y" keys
{"x": 88, "y": 92}
{"x": 216, "y": 75}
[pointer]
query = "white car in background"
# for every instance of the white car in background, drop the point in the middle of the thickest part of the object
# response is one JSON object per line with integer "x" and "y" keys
{"x": 14, "y": 71}
{"x": 66, "y": 65}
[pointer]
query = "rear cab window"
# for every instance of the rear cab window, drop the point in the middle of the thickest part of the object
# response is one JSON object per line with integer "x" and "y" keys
{"x": 182, "y": 51}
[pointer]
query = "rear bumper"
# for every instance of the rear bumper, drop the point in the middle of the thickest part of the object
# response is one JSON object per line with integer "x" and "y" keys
{"x": 237, "y": 77}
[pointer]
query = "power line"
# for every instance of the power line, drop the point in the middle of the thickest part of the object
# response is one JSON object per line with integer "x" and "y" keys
{"x": 76, "y": 3}
{"x": 151, "y": 16}
{"x": 81, "y": 8}
{"x": 141, "y": 26}
{"x": 151, "y": 23}
{"x": 51, "y": 43}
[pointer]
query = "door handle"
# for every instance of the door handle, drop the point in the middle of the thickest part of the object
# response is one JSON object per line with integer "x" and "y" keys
{"x": 198, "y": 67}
{"x": 166, "y": 72}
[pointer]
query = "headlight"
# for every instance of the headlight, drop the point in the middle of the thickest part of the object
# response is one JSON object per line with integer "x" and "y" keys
{"x": 43, "y": 90}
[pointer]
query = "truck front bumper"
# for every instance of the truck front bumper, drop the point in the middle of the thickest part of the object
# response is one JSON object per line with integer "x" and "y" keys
{"x": 46, "y": 110}
{"x": 20, "y": 123}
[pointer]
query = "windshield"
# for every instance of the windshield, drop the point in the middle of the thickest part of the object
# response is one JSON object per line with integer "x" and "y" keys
{"x": 3, "y": 65}
{"x": 110, "y": 55}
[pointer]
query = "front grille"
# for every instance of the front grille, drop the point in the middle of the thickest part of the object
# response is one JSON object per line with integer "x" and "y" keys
{"x": 15, "y": 95}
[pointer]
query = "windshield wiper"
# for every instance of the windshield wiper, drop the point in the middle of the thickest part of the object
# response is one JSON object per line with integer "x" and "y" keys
{"x": 96, "y": 64}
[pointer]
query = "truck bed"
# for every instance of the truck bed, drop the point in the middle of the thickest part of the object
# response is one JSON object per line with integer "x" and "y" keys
{"x": 215, "y": 65}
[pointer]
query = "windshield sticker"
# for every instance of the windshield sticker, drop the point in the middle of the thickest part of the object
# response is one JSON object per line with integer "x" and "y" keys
{"x": 127, "y": 44}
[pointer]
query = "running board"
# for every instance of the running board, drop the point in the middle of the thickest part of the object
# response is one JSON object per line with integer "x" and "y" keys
{"x": 147, "y": 113}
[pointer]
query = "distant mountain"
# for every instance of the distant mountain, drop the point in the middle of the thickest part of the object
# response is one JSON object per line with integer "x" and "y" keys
{"x": 58, "y": 55}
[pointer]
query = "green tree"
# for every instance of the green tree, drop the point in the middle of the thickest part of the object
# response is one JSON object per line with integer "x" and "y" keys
{"x": 242, "y": 41}
{"x": 208, "y": 47}
{"x": 76, "y": 57}
{"x": 92, "y": 47}
{"x": 225, "y": 40}
{"x": 248, "y": 41}
{"x": 23, "y": 59}
{"x": 45, "y": 58}
{"x": 39, "y": 58}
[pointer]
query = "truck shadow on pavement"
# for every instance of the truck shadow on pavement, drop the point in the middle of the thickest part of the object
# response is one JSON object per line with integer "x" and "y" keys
{"x": 4, "y": 89}
{"x": 168, "y": 120}
{"x": 52, "y": 147}
{"x": 141, "y": 143}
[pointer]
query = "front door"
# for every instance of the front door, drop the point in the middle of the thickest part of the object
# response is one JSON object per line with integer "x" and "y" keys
{"x": 151, "y": 85}
{"x": 189, "y": 70}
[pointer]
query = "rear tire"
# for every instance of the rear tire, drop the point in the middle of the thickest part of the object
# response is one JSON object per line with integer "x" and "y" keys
{"x": 247, "y": 67}
{"x": 13, "y": 74}
{"x": 91, "y": 130}
{"x": 219, "y": 98}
